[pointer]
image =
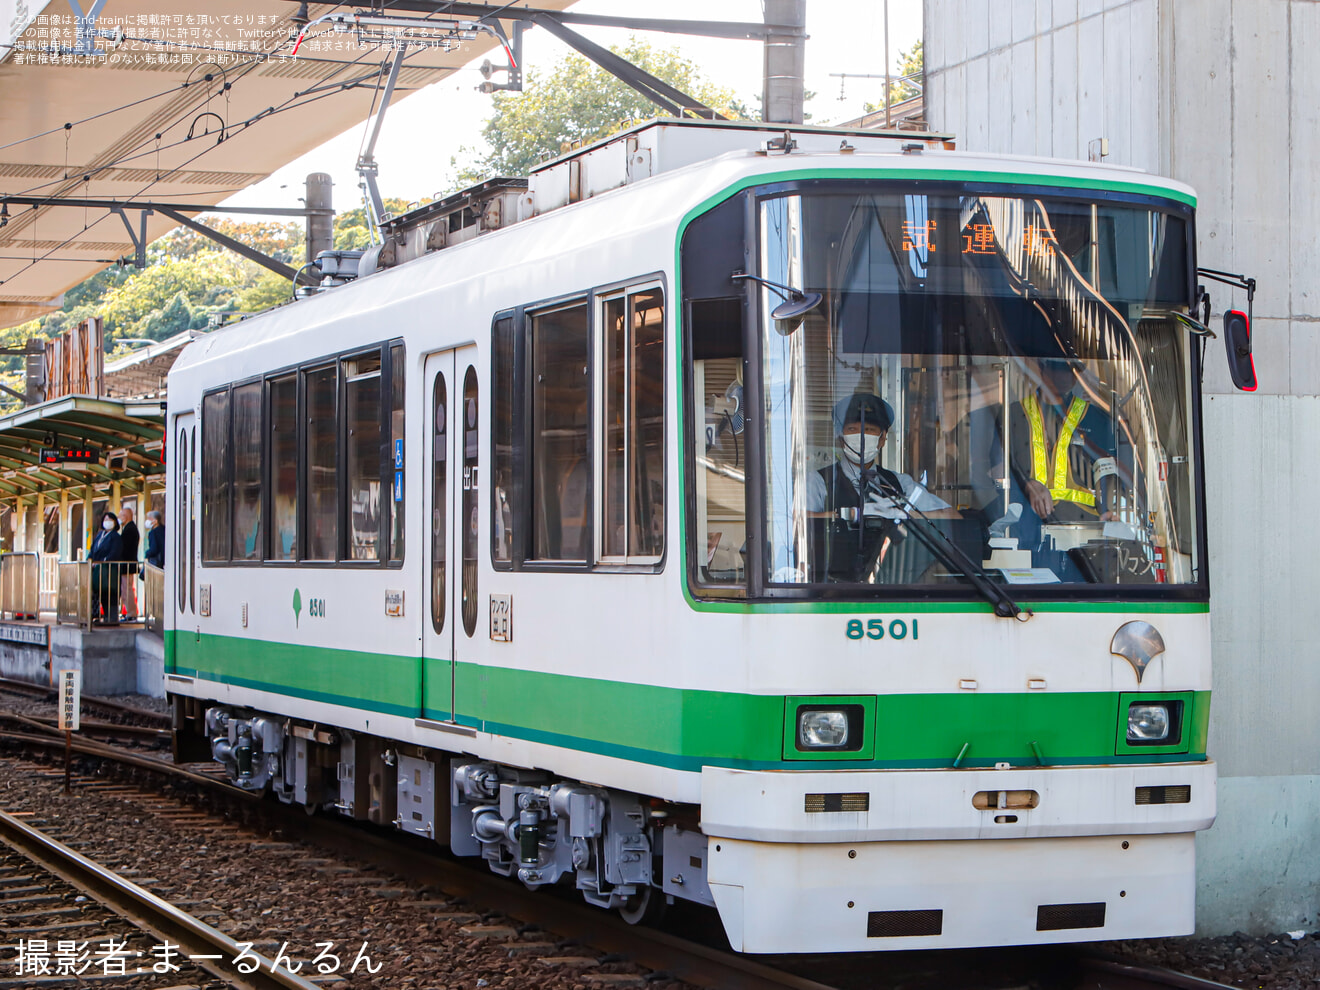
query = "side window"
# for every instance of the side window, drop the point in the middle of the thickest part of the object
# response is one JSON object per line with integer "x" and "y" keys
{"x": 561, "y": 468}
{"x": 322, "y": 444}
{"x": 362, "y": 394}
{"x": 633, "y": 429}
{"x": 439, "y": 479}
{"x": 502, "y": 506}
{"x": 468, "y": 520}
{"x": 398, "y": 373}
{"x": 245, "y": 403}
{"x": 215, "y": 476}
{"x": 283, "y": 393}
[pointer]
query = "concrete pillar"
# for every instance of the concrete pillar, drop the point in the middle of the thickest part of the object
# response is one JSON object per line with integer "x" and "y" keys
{"x": 65, "y": 524}
{"x": 89, "y": 524}
{"x": 41, "y": 523}
{"x": 784, "y": 60}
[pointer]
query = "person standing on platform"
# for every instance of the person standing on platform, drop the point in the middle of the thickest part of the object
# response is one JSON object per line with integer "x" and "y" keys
{"x": 107, "y": 547}
{"x": 155, "y": 554}
{"x": 128, "y": 536}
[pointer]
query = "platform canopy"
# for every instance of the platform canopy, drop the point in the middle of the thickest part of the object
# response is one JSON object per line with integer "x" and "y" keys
{"x": 138, "y": 133}
{"x": 126, "y": 435}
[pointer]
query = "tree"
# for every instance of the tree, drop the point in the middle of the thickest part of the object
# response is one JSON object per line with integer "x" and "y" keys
{"x": 279, "y": 240}
{"x": 578, "y": 102}
{"x": 206, "y": 280}
{"x": 911, "y": 62}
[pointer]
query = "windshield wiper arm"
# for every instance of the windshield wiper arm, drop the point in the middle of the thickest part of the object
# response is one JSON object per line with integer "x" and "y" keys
{"x": 955, "y": 559}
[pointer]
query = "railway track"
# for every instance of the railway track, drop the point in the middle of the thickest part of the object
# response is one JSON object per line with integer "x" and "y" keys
{"x": 40, "y": 866}
{"x": 90, "y": 703}
{"x": 665, "y": 954}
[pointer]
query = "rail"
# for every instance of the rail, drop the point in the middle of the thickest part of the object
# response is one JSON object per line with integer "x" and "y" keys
{"x": 153, "y": 598}
{"x": 679, "y": 958}
{"x": 19, "y": 585}
{"x": 197, "y": 940}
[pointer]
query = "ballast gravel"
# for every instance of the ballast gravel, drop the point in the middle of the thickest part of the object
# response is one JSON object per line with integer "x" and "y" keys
{"x": 256, "y": 886}
{"x": 1265, "y": 962}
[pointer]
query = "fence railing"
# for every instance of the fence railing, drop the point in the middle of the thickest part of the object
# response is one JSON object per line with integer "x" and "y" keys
{"x": 50, "y": 582}
{"x": 19, "y": 584}
{"x": 74, "y": 597}
{"x": 153, "y": 598}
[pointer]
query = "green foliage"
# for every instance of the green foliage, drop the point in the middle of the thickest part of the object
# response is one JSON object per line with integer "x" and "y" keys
{"x": 578, "y": 102}
{"x": 268, "y": 290}
{"x": 173, "y": 286}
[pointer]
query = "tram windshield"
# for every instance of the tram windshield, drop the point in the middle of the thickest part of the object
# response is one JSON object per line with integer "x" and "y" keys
{"x": 990, "y": 383}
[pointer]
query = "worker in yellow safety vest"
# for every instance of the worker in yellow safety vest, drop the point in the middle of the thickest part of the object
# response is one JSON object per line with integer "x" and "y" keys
{"x": 1063, "y": 447}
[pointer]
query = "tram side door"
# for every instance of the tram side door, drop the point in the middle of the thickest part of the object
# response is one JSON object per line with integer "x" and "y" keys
{"x": 447, "y": 471}
{"x": 181, "y": 529}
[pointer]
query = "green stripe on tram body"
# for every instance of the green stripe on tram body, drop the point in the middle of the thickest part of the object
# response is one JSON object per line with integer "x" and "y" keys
{"x": 686, "y": 729}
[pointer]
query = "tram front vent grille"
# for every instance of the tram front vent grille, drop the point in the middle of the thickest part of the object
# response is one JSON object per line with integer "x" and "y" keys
{"x": 1058, "y": 917}
{"x": 818, "y": 803}
{"x": 904, "y": 924}
{"x": 1170, "y": 794}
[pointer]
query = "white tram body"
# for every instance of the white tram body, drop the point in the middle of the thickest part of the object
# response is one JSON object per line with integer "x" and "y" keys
{"x": 598, "y": 632}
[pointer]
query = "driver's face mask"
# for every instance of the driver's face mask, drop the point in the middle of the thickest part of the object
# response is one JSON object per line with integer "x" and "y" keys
{"x": 861, "y": 448}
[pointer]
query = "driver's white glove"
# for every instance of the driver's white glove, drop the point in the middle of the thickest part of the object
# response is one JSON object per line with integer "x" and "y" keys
{"x": 884, "y": 507}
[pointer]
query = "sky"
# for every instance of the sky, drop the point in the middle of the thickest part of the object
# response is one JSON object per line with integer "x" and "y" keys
{"x": 425, "y": 130}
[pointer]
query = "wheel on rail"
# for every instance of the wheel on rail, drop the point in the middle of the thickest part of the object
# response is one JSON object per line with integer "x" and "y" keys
{"x": 644, "y": 908}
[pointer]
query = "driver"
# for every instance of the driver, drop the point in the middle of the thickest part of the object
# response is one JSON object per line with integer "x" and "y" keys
{"x": 856, "y": 481}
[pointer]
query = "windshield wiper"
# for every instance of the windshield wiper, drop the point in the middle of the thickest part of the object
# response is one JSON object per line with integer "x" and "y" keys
{"x": 953, "y": 557}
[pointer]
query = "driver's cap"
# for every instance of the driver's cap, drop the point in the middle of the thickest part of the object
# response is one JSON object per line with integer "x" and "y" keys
{"x": 862, "y": 406}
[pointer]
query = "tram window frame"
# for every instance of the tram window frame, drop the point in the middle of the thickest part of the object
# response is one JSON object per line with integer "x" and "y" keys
{"x": 217, "y": 478}
{"x": 259, "y": 535}
{"x": 513, "y": 381}
{"x": 391, "y": 414}
{"x": 603, "y": 296}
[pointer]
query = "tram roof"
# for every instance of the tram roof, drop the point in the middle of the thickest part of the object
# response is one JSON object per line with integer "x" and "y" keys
{"x": 138, "y": 151}
{"x": 134, "y": 426}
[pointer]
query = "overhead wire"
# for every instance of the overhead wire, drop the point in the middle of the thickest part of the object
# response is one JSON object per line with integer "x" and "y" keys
{"x": 291, "y": 103}
{"x": 137, "y": 152}
{"x": 110, "y": 213}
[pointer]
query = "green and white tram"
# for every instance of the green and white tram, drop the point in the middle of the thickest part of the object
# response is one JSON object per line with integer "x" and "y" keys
{"x": 807, "y": 523}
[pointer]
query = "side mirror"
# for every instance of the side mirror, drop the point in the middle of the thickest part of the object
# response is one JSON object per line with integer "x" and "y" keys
{"x": 1237, "y": 343}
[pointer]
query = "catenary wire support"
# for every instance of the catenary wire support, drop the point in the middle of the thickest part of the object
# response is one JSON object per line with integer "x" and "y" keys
{"x": 366, "y": 166}
{"x": 176, "y": 212}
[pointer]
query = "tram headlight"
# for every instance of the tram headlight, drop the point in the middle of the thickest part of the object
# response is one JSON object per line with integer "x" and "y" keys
{"x": 820, "y": 728}
{"x": 1149, "y": 723}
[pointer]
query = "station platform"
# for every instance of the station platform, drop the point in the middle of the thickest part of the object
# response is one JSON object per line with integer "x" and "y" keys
{"x": 122, "y": 659}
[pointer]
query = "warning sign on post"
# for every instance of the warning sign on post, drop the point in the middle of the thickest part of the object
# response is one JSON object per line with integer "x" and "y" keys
{"x": 70, "y": 699}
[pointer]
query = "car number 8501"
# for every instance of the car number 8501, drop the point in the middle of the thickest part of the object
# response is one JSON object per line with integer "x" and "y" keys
{"x": 877, "y": 629}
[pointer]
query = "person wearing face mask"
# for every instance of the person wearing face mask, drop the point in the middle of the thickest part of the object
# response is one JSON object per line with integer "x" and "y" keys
{"x": 108, "y": 546}
{"x": 858, "y": 502}
{"x": 856, "y": 480}
{"x": 155, "y": 554}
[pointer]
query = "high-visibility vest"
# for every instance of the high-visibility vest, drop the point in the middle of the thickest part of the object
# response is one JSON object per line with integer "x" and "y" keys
{"x": 1058, "y": 488}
